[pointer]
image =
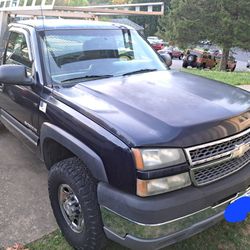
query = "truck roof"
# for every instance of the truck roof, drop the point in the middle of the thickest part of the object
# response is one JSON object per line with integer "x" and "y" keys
{"x": 51, "y": 24}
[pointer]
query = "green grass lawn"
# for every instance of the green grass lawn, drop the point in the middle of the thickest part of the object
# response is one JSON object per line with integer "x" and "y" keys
{"x": 234, "y": 78}
{"x": 224, "y": 236}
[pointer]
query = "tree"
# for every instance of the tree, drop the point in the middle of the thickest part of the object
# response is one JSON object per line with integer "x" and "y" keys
{"x": 150, "y": 23}
{"x": 224, "y": 22}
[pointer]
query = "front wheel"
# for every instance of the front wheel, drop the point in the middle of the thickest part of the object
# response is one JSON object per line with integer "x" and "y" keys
{"x": 73, "y": 197}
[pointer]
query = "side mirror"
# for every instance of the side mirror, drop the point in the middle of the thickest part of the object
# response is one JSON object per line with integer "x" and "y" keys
{"x": 15, "y": 75}
{"x": 166, "y": 58}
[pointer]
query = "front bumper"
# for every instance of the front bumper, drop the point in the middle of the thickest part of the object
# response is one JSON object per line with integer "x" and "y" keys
{"x": 155, "y": 236}
{"x": 135, "y": 242}
{"x": 155, "y": 222}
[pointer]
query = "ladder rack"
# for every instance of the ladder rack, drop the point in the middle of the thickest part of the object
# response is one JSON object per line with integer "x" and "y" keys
{"x": 50, "y": 8}
{"x": 11, "y": 5}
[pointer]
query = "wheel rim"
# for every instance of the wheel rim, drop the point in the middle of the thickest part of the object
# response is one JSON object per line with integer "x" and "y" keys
{"x": 71, "y": 208}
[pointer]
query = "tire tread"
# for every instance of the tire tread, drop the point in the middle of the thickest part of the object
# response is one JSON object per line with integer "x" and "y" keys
{"x": 80, "y": 177}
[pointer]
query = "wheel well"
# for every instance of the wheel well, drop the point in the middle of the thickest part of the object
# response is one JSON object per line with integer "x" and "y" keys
{"x": 54, "y": 152}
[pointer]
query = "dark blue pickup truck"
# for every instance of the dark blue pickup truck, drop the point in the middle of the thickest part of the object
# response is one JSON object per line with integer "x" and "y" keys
{"x": 136, "y": 153}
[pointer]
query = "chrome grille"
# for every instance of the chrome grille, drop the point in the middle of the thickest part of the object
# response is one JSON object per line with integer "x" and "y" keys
{"x": 204, "y": 175}
{"x": 218, "y": 148}
{"x": 213, "y": 161}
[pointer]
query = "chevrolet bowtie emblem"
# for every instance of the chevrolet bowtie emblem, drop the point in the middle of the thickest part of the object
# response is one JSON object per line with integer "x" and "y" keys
{"x": 240, "y": 150}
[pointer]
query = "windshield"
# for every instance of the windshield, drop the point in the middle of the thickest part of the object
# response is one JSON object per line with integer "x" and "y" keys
{"x": 75, "y": 55}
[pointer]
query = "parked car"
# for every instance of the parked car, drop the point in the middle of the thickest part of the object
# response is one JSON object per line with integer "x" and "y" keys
{"x": 199, "y": 59}
{"x": 215, "y": 52}
{"x": 154, "y": 39}
{"x": 156, "y": 43}
{"x": 231, "y": 63}
{"x": 174, "y": 52}
{"x": 157, "y": 46}
{"x": 135, "y": 153}
{"x": 177, "y": 53}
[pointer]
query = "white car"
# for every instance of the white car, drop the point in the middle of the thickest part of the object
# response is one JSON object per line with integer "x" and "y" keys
{"x": 154, "y": 39}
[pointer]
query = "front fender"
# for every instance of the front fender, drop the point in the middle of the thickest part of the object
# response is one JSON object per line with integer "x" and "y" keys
{"x": 92, "y": 161}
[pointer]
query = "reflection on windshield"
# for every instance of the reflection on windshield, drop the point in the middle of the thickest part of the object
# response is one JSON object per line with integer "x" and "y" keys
{"x": 78, "y": 54}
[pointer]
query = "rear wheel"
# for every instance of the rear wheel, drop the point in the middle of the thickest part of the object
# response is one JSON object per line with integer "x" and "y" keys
{"x": 233, "y": 69}
{"x": 184, "y": 64}
{"x": 73, "y": 197}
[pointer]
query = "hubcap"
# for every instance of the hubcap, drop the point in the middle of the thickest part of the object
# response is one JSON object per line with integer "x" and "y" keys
{"x": 71, "y": 208}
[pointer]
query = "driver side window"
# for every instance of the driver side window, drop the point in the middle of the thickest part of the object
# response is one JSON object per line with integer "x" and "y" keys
{"x": 17, "y": 51}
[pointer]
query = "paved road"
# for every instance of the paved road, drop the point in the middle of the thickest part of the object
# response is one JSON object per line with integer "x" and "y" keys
{"x": 25, "y": 213}
{"x": 241, "y": 55}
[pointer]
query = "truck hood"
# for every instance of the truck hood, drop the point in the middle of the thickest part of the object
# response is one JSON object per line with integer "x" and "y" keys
{"x": 162, "y": 108}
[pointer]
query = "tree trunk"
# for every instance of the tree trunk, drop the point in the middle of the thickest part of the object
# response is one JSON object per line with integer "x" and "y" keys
{"x": 224, "y": 59}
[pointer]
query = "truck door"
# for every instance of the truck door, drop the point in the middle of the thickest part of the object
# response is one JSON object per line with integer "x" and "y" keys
{"x": 19, "y": 104}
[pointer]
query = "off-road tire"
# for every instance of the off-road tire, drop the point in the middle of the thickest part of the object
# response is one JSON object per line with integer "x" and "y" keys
{"x": 184, "y": 64}
{"x": 191, "y": 58}
{"x": 74, "y": 173}
{"x": 233, "y": 69}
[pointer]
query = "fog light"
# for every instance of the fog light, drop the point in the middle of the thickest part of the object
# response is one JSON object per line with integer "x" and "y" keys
{"x": 162, "y": 185}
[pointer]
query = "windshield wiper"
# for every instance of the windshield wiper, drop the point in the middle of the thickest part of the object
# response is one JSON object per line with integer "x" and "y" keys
{"x": 90, "y": 77}
{"x": 139, "y": 71}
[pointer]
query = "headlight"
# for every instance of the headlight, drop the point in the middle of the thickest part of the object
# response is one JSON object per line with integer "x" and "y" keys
{"x": 162, "y": 185}
{"x": 150, "y": 159}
